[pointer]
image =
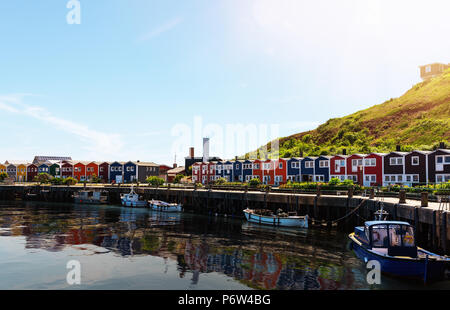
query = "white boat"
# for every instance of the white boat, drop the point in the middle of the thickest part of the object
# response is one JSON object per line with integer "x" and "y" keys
{"x": 132, "y": 199}
{"x": 163, "y": 206}
{"x": 267, "y": 217}
{"x": 90, "y": 197}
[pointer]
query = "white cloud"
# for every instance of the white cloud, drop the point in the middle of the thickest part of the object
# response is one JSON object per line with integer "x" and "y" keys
{"x": 97, "y": 142}
{"x": 166, "y": 26}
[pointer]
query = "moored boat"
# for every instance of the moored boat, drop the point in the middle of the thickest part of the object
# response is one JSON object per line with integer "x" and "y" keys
{"x": 163, "y": 206}
{"x": 392, "y": 244}
{"x": 267, "y": 217}
{"x": 90, "y": 197}
{"x": 132, "y": 199}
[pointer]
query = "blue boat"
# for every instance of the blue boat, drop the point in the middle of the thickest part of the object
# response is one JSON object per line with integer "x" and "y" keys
{"x": 162, "y": 206}
{"x": 392, "y": 244}
{"x": 267, "y": 217}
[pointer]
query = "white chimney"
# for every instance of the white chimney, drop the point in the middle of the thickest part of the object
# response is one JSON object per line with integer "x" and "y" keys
{"x": 205, "y": 150}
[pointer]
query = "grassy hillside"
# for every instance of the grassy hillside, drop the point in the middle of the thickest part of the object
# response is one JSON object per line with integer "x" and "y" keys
{"x": 419, "y": 119}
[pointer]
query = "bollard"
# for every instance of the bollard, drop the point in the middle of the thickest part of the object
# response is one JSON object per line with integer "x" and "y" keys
{"x": 318, "y": 192}
{"x": 402, "y": 196}
{"x": 350, "y": 192}
{"x": 424, "y": 199}
{"x": 372, "y": 193}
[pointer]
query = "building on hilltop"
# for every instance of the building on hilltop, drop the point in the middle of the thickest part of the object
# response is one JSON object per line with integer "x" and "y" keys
{"x": 431, "y": 70}
{"x": 41, "y": 159}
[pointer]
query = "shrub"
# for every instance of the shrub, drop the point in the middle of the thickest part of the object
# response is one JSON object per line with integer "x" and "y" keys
{"x": 3, "y": 176}
{"x": 334, "y": 181}
{"x": 70, "y": 181}
{"x": 220, "y": 181}
{"x": 178, "y": 178}
{"x": 155, "y": 181}
{"x": 56, "y": 181}
{"x": 254, "y": 182}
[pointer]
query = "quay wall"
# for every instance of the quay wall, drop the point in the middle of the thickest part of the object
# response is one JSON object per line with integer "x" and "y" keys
{"x": 432, "y": 226}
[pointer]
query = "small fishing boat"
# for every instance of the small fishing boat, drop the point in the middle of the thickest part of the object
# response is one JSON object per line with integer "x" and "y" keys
{"x": 132, "y": 199}
{"x": 90, "y": 197}
{"x": 267, "y": 217}
{"x": 163, "y": 206}
{"x": 392, "y": 244}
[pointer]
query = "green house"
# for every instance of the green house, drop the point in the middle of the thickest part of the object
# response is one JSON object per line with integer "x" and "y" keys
{"x": 55, "y": 170}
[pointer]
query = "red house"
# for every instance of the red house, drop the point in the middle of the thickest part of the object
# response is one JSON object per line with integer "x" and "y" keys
{"x": 91, "y": 170}
{"x": 373, "y": 169}
{"x": 196, "y": 173}
{"x": 32, "y": 171}
{"x": 66, "y": 169}
{"x": 103, "y": 171}
{"x": 280, "y": 171}
{"x": 355, "y": 168}
{"x": 338, "y": 164}
{"x": 257, "y": 169}
{"x": 79, "y": 171}
{"x": 268, "y": 169}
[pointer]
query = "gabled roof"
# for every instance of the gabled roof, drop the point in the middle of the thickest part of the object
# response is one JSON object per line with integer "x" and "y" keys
{"x": 147, "y": 164}
{"x": 398, "y": 153}
{"x": 176, "y": 170}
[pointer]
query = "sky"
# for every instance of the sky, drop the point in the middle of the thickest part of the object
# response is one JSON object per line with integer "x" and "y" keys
{"x": 145, "y": 80}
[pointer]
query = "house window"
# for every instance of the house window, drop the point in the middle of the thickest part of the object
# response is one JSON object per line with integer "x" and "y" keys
{"x": 323, "y": 163}
{"x": 447, "y": 159}
{"x": 427, "y": 69}
{"x": 280, "y": 166}
{"x": 415, "y": 160}
{"x": 396, "y": 161}
{"x": 400, "y": 178}
{"x": 256, "y": 166}
{"x": 415, "y": 178}
{"x": 309, "y": 164}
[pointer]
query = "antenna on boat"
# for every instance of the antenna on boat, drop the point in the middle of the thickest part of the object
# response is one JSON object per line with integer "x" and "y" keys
{"x": 381, "y": 214}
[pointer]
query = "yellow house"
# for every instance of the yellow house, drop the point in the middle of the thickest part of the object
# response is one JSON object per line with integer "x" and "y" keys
{"x": 21, "y": 173}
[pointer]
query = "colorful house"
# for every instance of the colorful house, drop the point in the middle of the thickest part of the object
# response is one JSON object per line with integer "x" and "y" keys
{"x": 146, "y": 169}
{"x": 439, "y": 166}
{"x": 280, "y": 171}
{"x": 268, "y": 172}
{"x": 257, "y": 170}
{"x": 129, "y": 172}
{"x": 103, "y": 171}
{"x": 32, "y": 172}
{"x": 416, "y": 168}
{"x": 293, "y": 169}
{"x": 21, "y": 170}
{"x": 79, "y": 171}
{"x": 11, "y": 170}
{"x": 55, "y": 170}
{"x": 2, "y": 168}
{"x": 91, "y": 170}
{"x": 227, "y": 171}
{"x": 373, "y": 169}
{"x": 338, "y": 164}
{"x": 355, "y": 170}
{"x": 247, "y": 170}
{"x": 116, "y": 172}
{"x": 196, "y": 173}
{"x": 44, "y": 167}
{"x": 66, "y": 169}
{"x": 394, "y": 168}
{"x": 322, "y": 169}
{"x": 307, "y": 166}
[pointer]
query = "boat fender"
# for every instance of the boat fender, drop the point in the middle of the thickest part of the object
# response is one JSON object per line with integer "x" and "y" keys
{"x": 365, "y": 260}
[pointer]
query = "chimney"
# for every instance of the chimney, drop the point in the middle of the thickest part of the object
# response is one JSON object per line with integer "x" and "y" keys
{"x": 191, "y": 152}
{"x": 205, "y": 150}
{"x": 344, "y": 151}
{"x": 175, "y": 165}
{"x": 398, "y": 148}
{"x": 301, "y": 153}
{"x": 235, "y": 158}
{"x": 442, "y": 145}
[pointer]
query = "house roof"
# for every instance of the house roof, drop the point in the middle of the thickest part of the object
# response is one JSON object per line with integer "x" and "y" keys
{"x": 148, "y": 164}
{"x": 176, "y": 170}
{"x": 17, "y": 162}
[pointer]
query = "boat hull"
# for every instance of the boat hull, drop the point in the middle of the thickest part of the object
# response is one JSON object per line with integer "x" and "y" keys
{"x": 159, "y": 208}
{"x": 128, "y": 203}
{"x": 297, "y": 221}
{"x": 89, "y": 201}
{"x": 405, "y": 267}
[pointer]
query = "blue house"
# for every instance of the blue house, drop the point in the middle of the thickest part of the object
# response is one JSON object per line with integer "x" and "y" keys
{"x": 116, "y": 172}
{"x": 129, "y": 172}
{"x": 247, "y": 170}
{"x": 227, "y": 170}
{"x": 237, "y": 171}
{"x": 44, "y": 168}
{"x": 322, "y": 169}
{"x": 219, "y": 170}
{"x": 307, "y": 169}
{"x": 293, "y": 169}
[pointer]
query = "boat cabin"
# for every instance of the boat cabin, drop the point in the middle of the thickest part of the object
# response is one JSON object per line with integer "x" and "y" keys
{"x": 393, "y": 238}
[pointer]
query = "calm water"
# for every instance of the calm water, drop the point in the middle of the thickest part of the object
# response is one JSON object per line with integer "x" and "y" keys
{"x": 125, "y": 248}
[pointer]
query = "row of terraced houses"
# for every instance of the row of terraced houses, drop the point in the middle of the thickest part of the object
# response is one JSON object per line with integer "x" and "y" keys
{"x": 375, "y": 169}
{"x": 118, "y": 172}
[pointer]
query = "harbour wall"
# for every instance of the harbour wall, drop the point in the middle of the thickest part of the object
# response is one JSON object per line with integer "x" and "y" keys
{"x": 328, "y": 211}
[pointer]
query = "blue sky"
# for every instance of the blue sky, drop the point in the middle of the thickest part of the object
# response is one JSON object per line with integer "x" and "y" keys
{"x": 117, "y": 85}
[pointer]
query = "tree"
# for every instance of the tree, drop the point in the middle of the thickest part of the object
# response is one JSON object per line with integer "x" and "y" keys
{"x": 155, "y": 181}
{"x": 3, "y": 176}
{"x": 95, "y": 179}
{"x": 43, "y": 178}
{"x": 178, "y": 178}
{"x": 220, "y": 181}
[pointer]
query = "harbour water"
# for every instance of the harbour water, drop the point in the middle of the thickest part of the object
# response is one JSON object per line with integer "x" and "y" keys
{"x": 126, "y": 248}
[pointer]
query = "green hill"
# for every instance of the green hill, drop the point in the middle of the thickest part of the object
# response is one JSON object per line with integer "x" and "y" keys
{"x": 419, "y": 119}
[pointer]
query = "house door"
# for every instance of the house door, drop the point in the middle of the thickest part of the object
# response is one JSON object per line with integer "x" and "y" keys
{"x": 439, "y": 163}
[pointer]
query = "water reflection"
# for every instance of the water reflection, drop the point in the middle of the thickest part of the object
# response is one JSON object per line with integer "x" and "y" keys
{"x": 260, "y": 258}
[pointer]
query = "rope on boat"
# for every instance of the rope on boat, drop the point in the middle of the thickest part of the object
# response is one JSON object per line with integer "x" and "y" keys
{"x": 348, "y": 214}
